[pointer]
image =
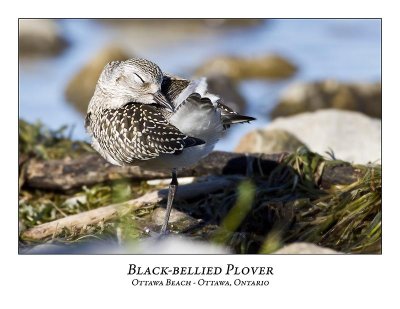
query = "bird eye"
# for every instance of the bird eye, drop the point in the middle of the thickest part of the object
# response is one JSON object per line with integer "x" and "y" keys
{"x": 138, "y": 76}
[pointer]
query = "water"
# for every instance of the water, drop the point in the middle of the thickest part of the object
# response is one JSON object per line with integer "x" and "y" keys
{"x": 346, "y": 50}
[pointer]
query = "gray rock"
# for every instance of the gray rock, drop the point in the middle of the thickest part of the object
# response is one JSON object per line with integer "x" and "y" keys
{"x": 142, "y": 35}
{"x": 234, "y": 22}
{"x": 40, "y": 37}
{"x": 183, "y": 24}
{"x": 305, "y": 248}
{"x": 48, "y": 248}
{"x": 152, "y": 245}
{"x": 80, "y": 89}
{"x": 269, "y": 67}
{"x": 301, "y": 97}
{"x": 352, "y": 136}
{"x": 177, "y": 245}
{"x": 268, "y": 141}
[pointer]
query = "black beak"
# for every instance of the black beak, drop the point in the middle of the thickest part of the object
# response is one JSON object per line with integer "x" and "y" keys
{"x": 159, "y": 98}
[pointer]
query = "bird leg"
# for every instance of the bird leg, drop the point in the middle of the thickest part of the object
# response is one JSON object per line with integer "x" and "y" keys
{"x": 171, "y": 194}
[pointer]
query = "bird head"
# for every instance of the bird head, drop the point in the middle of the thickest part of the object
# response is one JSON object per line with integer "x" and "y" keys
{"x": 134, "y": 80}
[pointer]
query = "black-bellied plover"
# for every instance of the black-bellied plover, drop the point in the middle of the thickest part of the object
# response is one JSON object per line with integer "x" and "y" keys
{"x": 139, "y": 115}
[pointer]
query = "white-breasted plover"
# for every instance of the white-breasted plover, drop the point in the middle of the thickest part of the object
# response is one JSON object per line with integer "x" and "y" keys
{"x": 139, "y": 115}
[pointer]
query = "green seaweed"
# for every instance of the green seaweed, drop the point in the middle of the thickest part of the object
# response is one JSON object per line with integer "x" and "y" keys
{"x": 36, "y": 140}
{"x": 259, "y": 215}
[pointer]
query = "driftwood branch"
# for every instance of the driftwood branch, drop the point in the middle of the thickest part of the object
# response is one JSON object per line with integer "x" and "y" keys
{"x": 107, "y": 213}
{"x": 91, "y": 169}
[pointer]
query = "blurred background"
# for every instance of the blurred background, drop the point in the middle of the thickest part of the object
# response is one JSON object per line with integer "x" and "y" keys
{"x": 268, "y": 69}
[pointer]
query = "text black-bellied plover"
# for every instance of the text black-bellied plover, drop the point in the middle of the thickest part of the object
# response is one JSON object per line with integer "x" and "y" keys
{"x": 139, "y": 115}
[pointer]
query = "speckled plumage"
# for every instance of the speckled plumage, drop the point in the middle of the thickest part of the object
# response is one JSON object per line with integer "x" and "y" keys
{"x": 137, "y": 132}
{"x": 126, "y": 131}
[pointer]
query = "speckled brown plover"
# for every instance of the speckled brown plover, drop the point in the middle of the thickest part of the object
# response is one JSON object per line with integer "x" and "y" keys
{"x": 139, "y": 115}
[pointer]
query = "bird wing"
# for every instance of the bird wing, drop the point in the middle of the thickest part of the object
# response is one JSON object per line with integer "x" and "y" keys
{"x": 178, "y": 90}
{"x": 172, "y": 86}
{"x": 228, "y": 116}
{"x": 138, "y": 132}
